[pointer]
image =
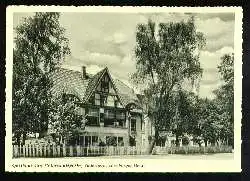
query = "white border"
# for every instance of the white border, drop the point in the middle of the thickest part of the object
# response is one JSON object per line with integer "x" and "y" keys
{"x": 149, "y": 165}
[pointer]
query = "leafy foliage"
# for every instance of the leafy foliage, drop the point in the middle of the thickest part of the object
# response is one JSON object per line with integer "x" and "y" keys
{"x": 225, "y": 96}
{"x": 215, "y": 117}
{"x": 40, "y": 45}
{"x": 65, "y": 121}
{"x": 184, "y": 120}
{"x": 163, "y": 61}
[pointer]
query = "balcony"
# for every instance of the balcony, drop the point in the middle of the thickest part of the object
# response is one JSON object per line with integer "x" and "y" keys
{"x": 115, "y": 125}
{"x": 107, "y": 130}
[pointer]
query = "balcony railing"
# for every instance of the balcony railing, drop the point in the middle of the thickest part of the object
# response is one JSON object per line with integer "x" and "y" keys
{"x": 114, "y": 126}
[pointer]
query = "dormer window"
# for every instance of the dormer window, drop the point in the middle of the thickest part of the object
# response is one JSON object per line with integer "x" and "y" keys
{"x": 97, "y": 99}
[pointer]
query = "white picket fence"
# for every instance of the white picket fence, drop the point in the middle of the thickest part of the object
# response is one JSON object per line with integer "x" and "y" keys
{"x": 73, "y": 151}
{"x": 81, "y": 151}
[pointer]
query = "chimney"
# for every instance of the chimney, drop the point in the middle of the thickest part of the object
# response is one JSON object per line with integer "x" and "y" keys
{"x": 84, "y": 75}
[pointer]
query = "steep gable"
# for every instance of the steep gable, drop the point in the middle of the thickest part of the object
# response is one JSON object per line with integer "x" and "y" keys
{"x": 72, "y": 82}
{"x": 96, "y": 85}
{"x": 92, "y": 84}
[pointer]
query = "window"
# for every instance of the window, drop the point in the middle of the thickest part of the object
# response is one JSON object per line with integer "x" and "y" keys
{"x": 105, "y": 84}
{"x": 92, "y": 99}
{"x": 109, "y": 114}
{"x": 133, "y": 125}
{"x": 92, "y": 121}
{"x": 93, "y": 112}
{"x": 97, "y": 99}
{"x": 103, "y": 100}
{"x": 110, "y": 101}
{"x": 94, "y": 140}
{"x": 93, "y": 117}
{"x": 120, "y": 115}
{"x": 89, "y": 140}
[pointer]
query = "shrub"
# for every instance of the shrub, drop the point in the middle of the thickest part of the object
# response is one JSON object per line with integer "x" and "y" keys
{"x": 194, "y": 150}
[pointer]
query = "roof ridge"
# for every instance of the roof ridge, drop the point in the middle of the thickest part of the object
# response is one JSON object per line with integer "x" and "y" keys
{"x": 70, "y": 70}
{"x": 124, "y": 83}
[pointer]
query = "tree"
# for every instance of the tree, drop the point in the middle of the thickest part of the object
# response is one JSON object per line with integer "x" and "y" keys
{"x": 225, "y": 97}
{"x": 40, "y": 46}
{"x": 163, "y": 62}
{"x": 208, "y": 125}
{"x": 64, "y": 120}
{"x": 184, "y": 120}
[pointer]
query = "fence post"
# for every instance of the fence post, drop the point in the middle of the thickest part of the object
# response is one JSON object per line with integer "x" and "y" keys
{"x": 14, "y": 151}
{"x": 93, "y": 150}
{"x": 23, "y": 150}
{"x": 78, "y": 150}
{"x": 87, "y": 150}
{"x": 36, "y": 151}
{"x": 108, "y": 152}
{"x": 30, "y": 150}
{"x": 123, "y": 150}
{"x": 64, "y": 150}
{"x": 41, "y": 150}
{"x": 44, "y": 150}
{"x": 49, "y": 151}
{"x": 26, "y": 151}
{"x": 20, "y": 150}
{"x": 33, "y": 151}
{"x": 70, "y": 151}
{"x": 54, "y": 150}
{"x": 58, "y": 151}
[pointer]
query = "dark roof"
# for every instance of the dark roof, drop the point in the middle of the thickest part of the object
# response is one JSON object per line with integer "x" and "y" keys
{"x": 92, "y": 84}
{"x": 126, "y": 93}
{"x": 72, "y": 82}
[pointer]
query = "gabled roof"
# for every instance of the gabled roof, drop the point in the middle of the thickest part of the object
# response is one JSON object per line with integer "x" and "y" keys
{"x": 69, "y": 82}
{"x": 72, "y": 82}
{"x": 126, "y": 93}
{"x": 92, "y": 84}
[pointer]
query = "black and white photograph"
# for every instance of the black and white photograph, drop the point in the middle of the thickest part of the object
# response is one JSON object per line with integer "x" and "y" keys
{"x": 127, "y": 89}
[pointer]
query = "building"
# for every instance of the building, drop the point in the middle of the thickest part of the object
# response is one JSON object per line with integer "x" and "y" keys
{"x": 112, "y": 109}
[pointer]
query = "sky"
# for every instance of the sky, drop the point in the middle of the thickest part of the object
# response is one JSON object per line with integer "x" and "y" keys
{"x": 98, "y": 40}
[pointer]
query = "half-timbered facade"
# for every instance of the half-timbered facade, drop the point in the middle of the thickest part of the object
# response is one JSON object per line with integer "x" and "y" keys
{"x": 114, "y": 116}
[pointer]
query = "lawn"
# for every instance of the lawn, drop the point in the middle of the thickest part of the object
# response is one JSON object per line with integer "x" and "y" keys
{"x": 217, "y": 156}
